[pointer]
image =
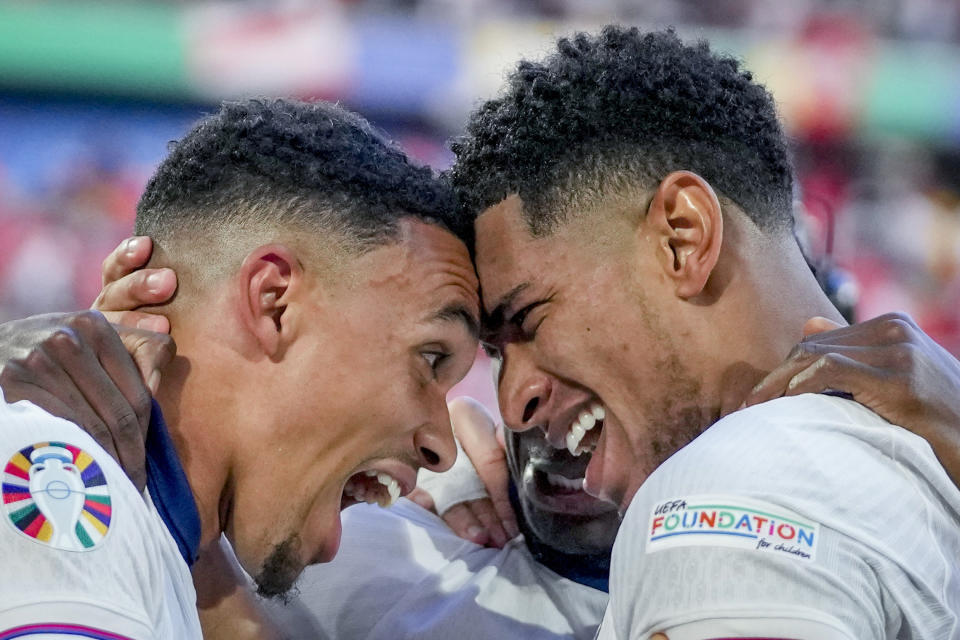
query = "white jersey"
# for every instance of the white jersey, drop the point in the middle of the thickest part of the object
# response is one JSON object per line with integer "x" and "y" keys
{"x": 402, "y": 573}
{"x": 82, "y": 554}
{"x": 806, "y": 518}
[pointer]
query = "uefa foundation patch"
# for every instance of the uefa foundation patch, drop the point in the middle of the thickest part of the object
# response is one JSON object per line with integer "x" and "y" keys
{"x": 725, "y": 521}
{"x": 57, "y": 495}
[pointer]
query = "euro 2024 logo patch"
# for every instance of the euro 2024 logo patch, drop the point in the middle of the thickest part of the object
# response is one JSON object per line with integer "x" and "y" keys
{"x": 56, "y": 494}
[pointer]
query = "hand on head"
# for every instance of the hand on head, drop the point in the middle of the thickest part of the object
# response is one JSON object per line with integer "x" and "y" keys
{"x": 127, "y": 286}
{"x": 78, "y": 367}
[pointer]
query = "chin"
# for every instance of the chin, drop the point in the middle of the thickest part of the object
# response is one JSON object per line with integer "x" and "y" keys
{"x": 574, "y": 534}
{"x": 280, "y": 570}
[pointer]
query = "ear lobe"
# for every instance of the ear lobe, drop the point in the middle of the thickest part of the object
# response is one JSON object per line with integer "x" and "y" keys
{"x": 686, "y": 217}
{"x": 269, "y": 274}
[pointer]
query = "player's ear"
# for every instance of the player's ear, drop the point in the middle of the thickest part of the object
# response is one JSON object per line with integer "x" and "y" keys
{"x": 270, "y": 275}
{"x": 687, "y": 223}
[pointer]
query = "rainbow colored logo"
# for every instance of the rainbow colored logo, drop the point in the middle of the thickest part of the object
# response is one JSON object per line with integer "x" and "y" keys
{"x": 56, "y": 494}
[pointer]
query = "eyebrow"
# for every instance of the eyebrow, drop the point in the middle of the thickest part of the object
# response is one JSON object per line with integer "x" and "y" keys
{"x": 457, "y": 312}
{"x": 494, "y": 320}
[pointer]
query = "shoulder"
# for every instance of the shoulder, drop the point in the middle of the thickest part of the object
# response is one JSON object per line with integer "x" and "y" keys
{"x": 74, "y": 530}
{"x": 811, "y": 440}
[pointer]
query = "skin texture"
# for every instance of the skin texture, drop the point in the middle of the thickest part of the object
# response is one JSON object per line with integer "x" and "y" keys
{"x": 672, "y": 278}
{"x": 303, "y": 359}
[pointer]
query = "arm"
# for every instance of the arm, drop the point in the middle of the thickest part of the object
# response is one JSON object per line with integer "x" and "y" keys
{"x": 77, "y": 366}
{"x": 488, "y": 519}
{"x": 887, "y": 364}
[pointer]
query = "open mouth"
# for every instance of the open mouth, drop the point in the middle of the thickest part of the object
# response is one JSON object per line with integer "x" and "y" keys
{"x": 371, "y": 486}
{"x": 556, "y": 492}
{"x": 584, "y": 432}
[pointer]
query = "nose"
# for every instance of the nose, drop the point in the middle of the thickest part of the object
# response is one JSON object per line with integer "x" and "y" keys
{"x": 523, "y": 390}
{"x": 433, "y": 441}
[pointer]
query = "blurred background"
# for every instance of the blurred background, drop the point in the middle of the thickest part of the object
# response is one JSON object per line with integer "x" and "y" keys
{"x": 92, "y": 92}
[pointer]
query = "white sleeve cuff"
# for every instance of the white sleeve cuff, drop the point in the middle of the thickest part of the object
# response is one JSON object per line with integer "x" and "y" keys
{"x": 458, "y": 484}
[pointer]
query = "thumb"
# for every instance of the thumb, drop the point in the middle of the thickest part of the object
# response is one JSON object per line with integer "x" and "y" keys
{"x": 819, "y": 324}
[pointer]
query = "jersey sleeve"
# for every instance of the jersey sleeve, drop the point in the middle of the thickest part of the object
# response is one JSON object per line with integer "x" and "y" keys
{"x": 80, "y": 550}
{"x": 760, "y": 530}
{"x": 71, "y": 619}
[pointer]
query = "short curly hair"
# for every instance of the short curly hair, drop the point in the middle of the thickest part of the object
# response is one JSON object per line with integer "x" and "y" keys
{"x": 621, "y": 110}
{"x": 312, "y": 165}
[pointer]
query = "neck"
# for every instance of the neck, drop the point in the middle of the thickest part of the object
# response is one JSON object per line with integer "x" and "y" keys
{"x": 769, "y": 297}
{"x": 194, "y": 416}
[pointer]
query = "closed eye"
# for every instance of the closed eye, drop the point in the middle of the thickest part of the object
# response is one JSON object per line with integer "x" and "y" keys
{"x": 518, "y": 318}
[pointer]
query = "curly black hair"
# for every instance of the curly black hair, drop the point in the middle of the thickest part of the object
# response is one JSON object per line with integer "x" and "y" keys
{"x": 310, "y": 164}
{"x": 618, "y": 110}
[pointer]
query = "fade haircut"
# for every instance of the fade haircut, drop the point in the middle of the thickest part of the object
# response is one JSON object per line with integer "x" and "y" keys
{"x": 615, "y": 113}
{"x": 311, "y": 166}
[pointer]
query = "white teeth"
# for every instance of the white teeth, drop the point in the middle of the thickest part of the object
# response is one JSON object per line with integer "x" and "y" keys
{"x": 573, "y": 484}
{"x": 586, "y": 421}
{"x": 393, "y": 489}
{"x": 358, "y": 491}
{"x": 573, "y": 443}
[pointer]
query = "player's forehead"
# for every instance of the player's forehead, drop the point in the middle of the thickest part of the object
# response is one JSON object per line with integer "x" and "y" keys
{"x": 427, "y": 271}
{"x": 512, "y": 263}
{"x": 502, "y": 251}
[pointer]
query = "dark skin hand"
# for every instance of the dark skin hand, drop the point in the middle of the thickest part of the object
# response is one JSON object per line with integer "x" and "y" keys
{"x": 887, "y": 364}
{"x": 78, "y": 367}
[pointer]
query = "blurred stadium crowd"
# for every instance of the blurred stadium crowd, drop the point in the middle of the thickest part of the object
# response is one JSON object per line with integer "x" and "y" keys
{"x": 90, "y": 93}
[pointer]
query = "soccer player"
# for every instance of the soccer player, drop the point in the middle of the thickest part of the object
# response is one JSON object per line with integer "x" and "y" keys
{"x": 612, "y": 362}
{"x": 550, "y": 583}
{"x": 637, "y": 262}
{"x": 325, "y": 307}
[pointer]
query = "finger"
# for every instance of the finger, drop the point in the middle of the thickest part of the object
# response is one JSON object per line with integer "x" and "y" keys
{"x": 476, "y": 431}
{"x": 100, "y": 378}
{"x": 889, "y": 328}
{"x": 490, "y": 520}
{"x": 151, "y": 352}
{"x": 144, "y": 287}
{"x": 804, "y": 354}
{"x": 465, "y": 524}
{"x": 41, "y": 381}
{"x": 138, "y": 320}
{"x": 130, "y": 255}
{"x": 819, "y": 324}
{"x": 659, "y": 636}
{"x": 832, "y": 372}
{"x": 423, "y": 499}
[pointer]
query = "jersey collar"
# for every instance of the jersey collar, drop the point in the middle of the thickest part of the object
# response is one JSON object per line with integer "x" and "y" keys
{"x": 169, "y": 489}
